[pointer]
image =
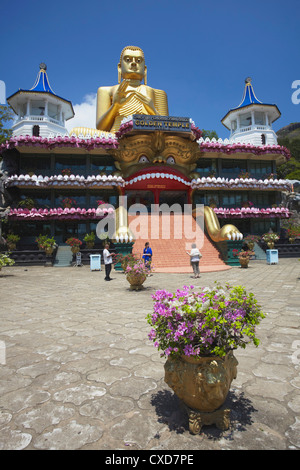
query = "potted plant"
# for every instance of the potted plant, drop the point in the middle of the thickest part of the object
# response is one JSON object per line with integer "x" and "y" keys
{"x": 90, "y": 240}
{"x": 74, "y": 243}
{"x": 27, "y": 203}
{"x": 197, "y": 331}
{"x": 270, "y": 238}
{"x": 68, "y": 202}
{"x": 293, "y": 231}
{"x": 5, "y": 260}
{"x": 251, "y": 240}
{"x": 66, "y": 172}
{"x": 48, "y": 246}
{"x": 244, "y": 256}
{"x": 11, "y": 241}
{"x": 104, "y": 237}
{"x": 136, "y": 274}
{"x": 40, "y": 240}
{"x": 125, "y": 260}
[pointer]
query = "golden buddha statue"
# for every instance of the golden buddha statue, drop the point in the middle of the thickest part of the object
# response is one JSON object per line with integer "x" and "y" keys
{"x": 128, "y": 97}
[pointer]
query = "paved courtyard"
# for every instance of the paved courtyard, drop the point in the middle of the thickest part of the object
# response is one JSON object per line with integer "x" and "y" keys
{"x": 78, "y": 371}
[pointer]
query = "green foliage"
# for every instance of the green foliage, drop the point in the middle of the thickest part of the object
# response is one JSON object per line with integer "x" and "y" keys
{"x": 12, "y": 238}
{"x": 209, "y": 134}
{"x": 44, "y": 242}
{"x": 5, "y": 260}
{"x": 291, "y": 169}
{"x": 90, "y": 237}
{"x": 6, "y": 115}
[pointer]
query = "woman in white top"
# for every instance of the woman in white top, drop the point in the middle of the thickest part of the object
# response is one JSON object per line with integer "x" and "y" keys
{"x": 195, "y": 256}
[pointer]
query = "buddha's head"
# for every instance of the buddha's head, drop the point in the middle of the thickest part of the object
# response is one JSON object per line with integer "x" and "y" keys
{"x": 132, "y": 64}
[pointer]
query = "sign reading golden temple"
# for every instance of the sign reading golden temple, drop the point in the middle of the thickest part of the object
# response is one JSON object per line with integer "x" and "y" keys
{"x": 161, "y": 123}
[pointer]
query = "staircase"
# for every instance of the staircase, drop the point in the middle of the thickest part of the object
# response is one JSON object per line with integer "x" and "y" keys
{"x": 63, "y": 257}
{"x": 169, "y": 252}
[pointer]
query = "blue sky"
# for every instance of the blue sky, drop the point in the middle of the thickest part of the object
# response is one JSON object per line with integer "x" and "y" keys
{"x": 199, "y": 52}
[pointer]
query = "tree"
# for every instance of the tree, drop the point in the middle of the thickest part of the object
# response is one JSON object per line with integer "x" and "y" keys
{"x": 291, "y": 169}
{"x": 209, "y": 134}
{"x": 6, "y": 115}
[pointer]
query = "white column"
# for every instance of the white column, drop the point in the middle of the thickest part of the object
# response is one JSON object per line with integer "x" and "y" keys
{"x": 252, "y": 118}
{"x": 267, "y": 120}
{"x": 28, "y": 108}
{"x": 237, "y": 121}
{"x": 46, "y": 108}
{"x": 60, "y": 116}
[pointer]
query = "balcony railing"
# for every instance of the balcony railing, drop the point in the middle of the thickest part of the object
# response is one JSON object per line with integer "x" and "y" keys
{"x": 258, "y": 127}
{"x": 32, "y": 117}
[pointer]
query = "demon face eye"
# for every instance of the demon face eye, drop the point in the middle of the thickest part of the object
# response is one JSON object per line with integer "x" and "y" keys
{"x": 171, "y": 160}
{"x": 143, "y": 159}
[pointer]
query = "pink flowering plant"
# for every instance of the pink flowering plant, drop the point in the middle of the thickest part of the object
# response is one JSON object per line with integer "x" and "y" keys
{"x": 205, "y": 323}
{"x": 136, "y": 267}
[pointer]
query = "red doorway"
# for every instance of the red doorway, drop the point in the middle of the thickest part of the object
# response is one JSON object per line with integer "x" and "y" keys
{"x": 156, "y": 185}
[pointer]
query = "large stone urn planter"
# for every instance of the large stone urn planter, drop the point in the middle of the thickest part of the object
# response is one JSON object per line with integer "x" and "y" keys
{"x": 244, "y": 262}
{"x": 136, "y": 280}
{"x": 203, "y": 385}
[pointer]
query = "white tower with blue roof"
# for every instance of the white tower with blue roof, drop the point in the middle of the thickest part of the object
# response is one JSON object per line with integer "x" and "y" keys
{"x": 40, "y": 112}
{"x": 251, "y": 122}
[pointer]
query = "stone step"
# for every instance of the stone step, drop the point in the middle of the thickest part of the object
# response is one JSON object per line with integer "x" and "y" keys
{"x": 63, "y": 257}
{"x": 171, "y": 253}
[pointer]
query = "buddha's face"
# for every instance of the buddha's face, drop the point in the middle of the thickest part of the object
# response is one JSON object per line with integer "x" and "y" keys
{"x": 132, "y": 65}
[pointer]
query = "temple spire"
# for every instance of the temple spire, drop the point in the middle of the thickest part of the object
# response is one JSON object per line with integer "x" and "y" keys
{"x": 42, "y": 82}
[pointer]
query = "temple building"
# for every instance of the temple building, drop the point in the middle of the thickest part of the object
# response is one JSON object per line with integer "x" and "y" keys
{"x": 55, "y": 182}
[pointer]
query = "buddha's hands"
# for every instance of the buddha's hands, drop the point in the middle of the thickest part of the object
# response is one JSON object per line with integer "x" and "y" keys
{"x": 121, "y": 96}
{"x": 147, "y": 102}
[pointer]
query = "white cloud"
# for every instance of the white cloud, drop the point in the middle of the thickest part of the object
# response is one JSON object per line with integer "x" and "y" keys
{"x": 85, "y": 113}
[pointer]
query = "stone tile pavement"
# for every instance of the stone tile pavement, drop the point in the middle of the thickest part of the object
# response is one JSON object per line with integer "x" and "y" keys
{"x": 78, "y": 371}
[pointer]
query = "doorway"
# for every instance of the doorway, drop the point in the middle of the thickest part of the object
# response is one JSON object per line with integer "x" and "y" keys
{"x": 65, "y": 230}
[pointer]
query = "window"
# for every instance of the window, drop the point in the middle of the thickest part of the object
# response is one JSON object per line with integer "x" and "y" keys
{"x": 38, "y": 165}
{"x": 232, "y": 168}
{"x": 234, "y": 199}
{"x": 74, "y": 198}
{"x": 263, "y": 139}
{"x": 259, "y": 118}
{"x": 109, "y": 197}
{"x": 53, "y": 111}
{"x": 245, "y": 120}
{"x": 263, "y": 226}
{"x": 38, "y": 108}
{"x": 104, "y": 164}
{"x": 206, "y": 167}
{"x": 263, "y": 199}
{"x": 260, "y": 170}
{"x": 77, "y": 165}
{"x": 36, "y": 131}
{"x": 233, "y": 125}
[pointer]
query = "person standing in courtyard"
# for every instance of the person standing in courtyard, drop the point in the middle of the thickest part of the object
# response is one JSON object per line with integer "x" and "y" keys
{"x": 195, "y": 257}
{"x": 107, "y": 258}
{"x": 147, "y": 256}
